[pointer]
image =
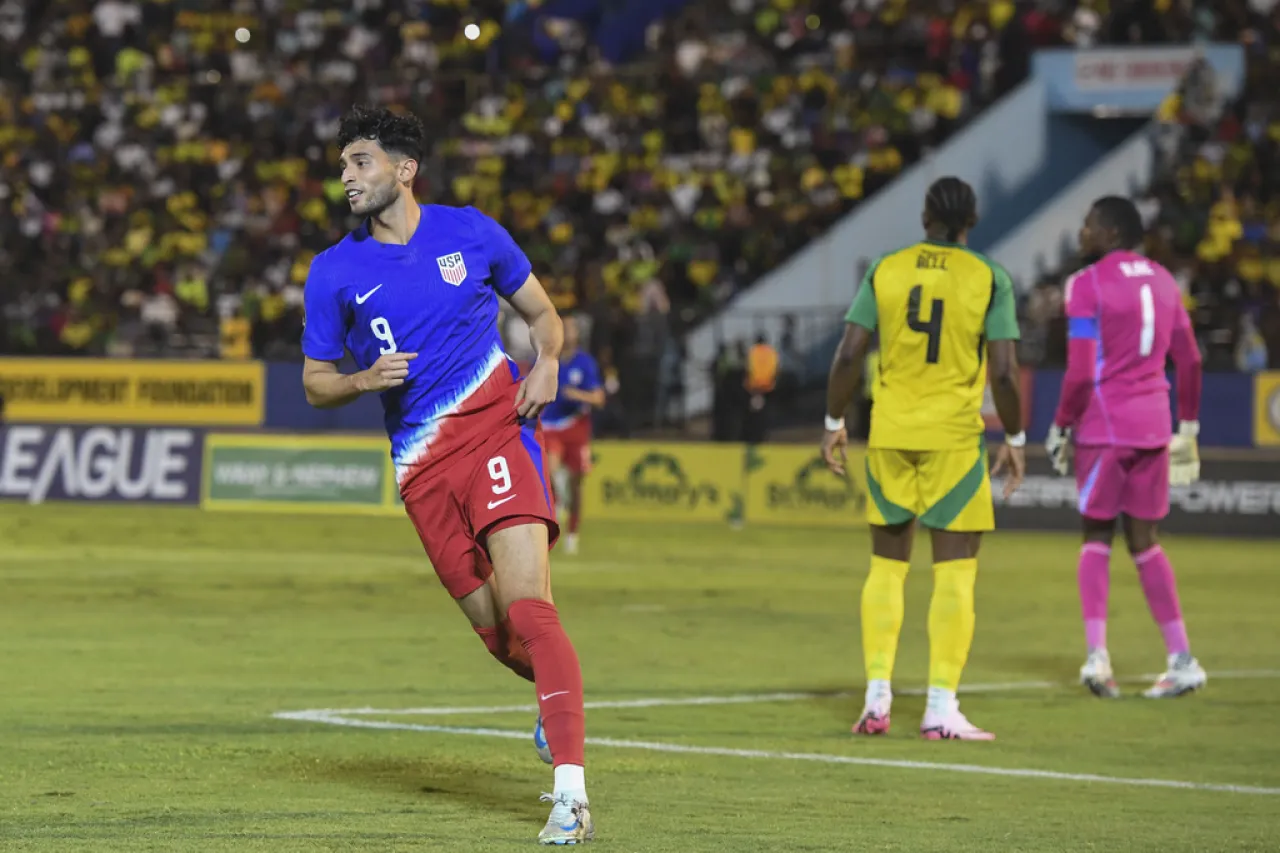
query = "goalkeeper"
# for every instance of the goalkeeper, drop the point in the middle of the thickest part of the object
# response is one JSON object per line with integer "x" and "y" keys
{"x": 1125, "y": 317}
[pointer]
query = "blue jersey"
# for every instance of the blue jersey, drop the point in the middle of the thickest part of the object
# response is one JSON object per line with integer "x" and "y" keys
{"x": 436, "y": 296}
{"x": 580, "y": 372}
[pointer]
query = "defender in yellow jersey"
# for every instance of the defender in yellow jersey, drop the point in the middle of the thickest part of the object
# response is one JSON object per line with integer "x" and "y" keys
{"x": 946, "y": 321}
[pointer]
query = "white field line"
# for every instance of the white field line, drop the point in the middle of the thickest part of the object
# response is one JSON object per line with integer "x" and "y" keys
{"x": 751, "y": 698}
{"x": 654, "y": 746}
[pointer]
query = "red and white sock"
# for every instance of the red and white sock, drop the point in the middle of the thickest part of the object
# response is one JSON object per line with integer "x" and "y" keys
{"x": 558, "y": 680}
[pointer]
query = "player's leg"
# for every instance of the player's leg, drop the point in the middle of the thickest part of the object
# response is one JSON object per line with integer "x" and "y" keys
{"x": 1146, "y": 501}
{"x": 577, "y": 462}
{"x": 495, "y": 631}
{"x": 1099, "y": 481}
{"x": 511, "y": 511}
{"x": 555, "y": 466}
{"x": 462, "y": 568}
{"x": 957, "y": 489}
{"x": 891, "y": 513}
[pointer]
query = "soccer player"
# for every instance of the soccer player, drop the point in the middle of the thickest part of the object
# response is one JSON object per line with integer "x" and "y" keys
{"x": 946, "y": 320}
{"x": 1125, "y": 316}
{"x": 412, "y": 294}
{"x": 566, "y": 423}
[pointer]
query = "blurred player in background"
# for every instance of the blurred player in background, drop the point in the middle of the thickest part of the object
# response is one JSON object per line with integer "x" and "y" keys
{"x": 943, "y": 312}
{"x": 412, "y": 294}
{"x": 1125, "y": 316}
{"x": 566, "y": 423}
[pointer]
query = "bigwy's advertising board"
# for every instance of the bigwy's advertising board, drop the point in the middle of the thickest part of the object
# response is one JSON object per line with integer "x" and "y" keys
{"x": 102, "y": 463}
{"x": 116, "y": 391}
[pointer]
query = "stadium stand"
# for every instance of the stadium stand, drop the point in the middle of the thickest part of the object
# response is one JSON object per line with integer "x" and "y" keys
{"x": 169, "y": 172}
{"x": 170, "y": 175}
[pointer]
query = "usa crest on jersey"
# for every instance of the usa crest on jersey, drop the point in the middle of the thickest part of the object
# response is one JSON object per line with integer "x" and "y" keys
{"x": 452, "y": 268}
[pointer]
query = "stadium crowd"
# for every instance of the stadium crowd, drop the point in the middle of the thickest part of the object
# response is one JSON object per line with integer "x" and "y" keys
{"x": 169, "y": 174}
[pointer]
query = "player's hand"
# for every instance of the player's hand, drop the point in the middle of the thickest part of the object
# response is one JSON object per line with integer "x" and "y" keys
{"x": 389, "y": 371}
{"x": 538, "y": 389}
{"x": 1012, "y": 462}
{"x": 834, "y": 443}
{"x": 1184, "y": 455}
{"x": 1058, "y": 446}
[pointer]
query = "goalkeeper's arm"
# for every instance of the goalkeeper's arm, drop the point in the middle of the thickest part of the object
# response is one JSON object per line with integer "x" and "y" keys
{"x": 1184, "y": 452}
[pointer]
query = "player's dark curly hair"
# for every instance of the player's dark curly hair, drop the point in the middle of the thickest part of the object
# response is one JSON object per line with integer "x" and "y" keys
{"x": 397, "y": 134}
{"x": 1119, "y": 214}
{"x": 952, "y": 204}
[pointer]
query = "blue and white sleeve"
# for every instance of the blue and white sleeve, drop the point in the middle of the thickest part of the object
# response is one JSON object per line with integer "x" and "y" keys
{"x": 324, "y": 327}
{"x": 508, "y": 263}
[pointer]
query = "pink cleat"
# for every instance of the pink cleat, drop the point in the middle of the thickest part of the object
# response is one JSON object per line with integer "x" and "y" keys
{"x": 951, "y": 726}
{"x": 872, "y": 722}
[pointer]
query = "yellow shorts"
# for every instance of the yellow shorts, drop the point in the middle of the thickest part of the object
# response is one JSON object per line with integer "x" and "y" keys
{"x": 945, "y": 489}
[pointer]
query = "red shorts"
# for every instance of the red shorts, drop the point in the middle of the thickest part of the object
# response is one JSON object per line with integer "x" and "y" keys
{"x": 1132, "y": 481}
{"x": 455, "y": 506}
{"x": 572, "y": 446}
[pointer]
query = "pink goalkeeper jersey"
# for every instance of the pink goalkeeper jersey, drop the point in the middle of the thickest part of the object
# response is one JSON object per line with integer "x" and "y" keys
{"x": 1132, "y": 307}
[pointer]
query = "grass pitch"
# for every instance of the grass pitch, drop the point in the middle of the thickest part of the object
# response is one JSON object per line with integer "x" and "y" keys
{"x": 145, "y": 652}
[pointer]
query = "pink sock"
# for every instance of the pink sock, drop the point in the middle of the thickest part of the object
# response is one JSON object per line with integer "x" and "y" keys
{"x": 1156, "y": 574}
{"x": 1094, "y": 576}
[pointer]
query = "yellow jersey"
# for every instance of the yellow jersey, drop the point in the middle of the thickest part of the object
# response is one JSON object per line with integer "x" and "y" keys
{"x": 935, "y": 306}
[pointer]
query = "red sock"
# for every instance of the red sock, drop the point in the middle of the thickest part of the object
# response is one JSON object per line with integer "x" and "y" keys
{"x": 558, "y": 677}
{"x": 575, "y": 503}
{"x": 503, "y": 644}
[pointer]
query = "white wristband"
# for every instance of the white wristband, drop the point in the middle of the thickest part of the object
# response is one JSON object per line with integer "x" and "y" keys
{"x": 833, "y": 424}
{"x": 1019, "y": 440}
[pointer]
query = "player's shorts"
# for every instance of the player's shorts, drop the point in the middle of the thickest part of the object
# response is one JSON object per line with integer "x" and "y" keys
{"x": 572, "y": 446}
{"x": 945, "y": 489}
{"x": 1132, "y": 481}
{"x": 455, "y": 506}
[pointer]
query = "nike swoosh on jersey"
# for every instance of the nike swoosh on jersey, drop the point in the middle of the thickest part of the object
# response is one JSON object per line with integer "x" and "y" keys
{"x": 360, "y": 300}
{"x": 495, "y": 504}
{"x": 552, "y": 695}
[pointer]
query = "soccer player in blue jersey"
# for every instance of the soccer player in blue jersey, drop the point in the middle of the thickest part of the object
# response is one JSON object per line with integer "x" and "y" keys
{"x": 412, "y": 295}
{"x": 567, "y": 426}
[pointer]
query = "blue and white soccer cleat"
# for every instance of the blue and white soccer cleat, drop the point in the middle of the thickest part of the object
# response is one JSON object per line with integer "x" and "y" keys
{"x": 540, "y": 742}
{"x": 570, "y": 821}
{"x": 1184, "y": 675}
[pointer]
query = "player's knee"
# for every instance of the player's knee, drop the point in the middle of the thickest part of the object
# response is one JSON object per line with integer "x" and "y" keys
{"x": 1141, "y": 537}
{"x": 505, "y": 646}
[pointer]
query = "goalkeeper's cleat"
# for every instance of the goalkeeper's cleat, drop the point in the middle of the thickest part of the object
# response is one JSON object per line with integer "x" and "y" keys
{"x": 540, "y": 742}
{"x": 1184, "y": 675}
{"x": 1184, "y": 455}
{"x": 951, "y": 726}
{"x": 570, "y": 821}
{"x": 1096, "y": 674}
{"x": 874, "y": 721}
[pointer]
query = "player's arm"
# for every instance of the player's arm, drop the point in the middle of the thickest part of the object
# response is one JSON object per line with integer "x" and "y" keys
{"x": 1184, "y": 452}
{"x": 1082, "y": 350}
{"x": 329, "y": 388}
{"x": 1005, "y": 377}
{"x": 1083, "y": 333}
{"x": 323, "y": 332}
{"x": 845, "y": 376}
{"x": 514, "y": 281}
{"x": 546, "y": 333}
{"x": 592, "y": 391}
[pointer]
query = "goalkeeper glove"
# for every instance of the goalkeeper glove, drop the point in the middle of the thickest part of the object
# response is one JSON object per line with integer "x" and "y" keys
{"x": 1184, "y": 455}
{"x": 1058, "y": 446}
